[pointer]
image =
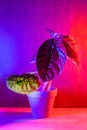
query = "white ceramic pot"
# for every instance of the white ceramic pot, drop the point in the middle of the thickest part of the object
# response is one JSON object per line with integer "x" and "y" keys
{"x": 41, "y": 102}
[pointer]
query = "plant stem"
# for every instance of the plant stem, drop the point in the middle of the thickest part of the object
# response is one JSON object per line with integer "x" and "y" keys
{"x": 47, "y": 85}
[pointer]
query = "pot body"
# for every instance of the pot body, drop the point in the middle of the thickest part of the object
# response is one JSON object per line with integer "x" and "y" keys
{"x": 41, "y": 102}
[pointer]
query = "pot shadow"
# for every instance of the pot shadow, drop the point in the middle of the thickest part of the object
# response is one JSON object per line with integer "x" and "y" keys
{"x": 15, "y": 117}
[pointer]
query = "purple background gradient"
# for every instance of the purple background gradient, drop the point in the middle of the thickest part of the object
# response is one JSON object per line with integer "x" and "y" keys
{"x": 22, "y": 31}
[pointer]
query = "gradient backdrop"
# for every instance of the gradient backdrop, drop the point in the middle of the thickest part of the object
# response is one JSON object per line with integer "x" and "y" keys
{"x": 22, "y": 31}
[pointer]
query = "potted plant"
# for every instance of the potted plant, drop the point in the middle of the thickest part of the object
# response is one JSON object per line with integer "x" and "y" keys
{"x": 50, "y": 61}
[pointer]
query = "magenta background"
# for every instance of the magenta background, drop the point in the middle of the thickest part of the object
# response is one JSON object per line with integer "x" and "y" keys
{"x": 22, "y": 31}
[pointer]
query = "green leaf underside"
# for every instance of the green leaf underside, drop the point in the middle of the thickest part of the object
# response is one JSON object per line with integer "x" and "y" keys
{"x": 23, "y": 84}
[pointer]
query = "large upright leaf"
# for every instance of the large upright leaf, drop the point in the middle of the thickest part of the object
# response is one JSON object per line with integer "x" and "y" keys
{"x": 50, "y": 59}
{"x": 71, "y": 47}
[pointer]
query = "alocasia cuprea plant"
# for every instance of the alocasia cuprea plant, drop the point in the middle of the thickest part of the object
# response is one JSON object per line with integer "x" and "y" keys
{"x": 50, "y": 61}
